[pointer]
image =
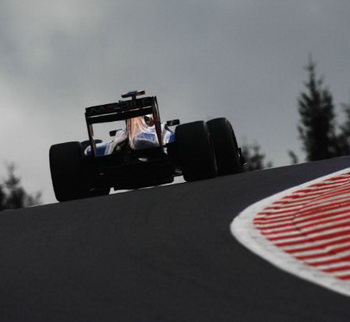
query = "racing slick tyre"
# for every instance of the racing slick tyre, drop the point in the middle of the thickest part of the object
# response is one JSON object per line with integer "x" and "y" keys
{"x": 225, "y": 145}
{"x": 195, "y": 151}
{"x": 67, "y": 174}
{"x": 86, "y": 143}
{"x": 99, "y": 192}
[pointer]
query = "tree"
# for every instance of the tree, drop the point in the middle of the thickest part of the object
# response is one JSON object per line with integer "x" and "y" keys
{"x": 294, "y": 158}
{"x": 317, "y": 118}
{"x": 342, "y": 144}
{"x": 13, "y": 195}
{"x": 254, "y": 158}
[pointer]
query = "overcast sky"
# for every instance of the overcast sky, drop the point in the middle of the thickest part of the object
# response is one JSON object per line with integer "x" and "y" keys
{"x": 242, "y": 59}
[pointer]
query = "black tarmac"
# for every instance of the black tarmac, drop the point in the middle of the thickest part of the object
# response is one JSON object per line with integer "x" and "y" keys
{"x": 160, "y": 254}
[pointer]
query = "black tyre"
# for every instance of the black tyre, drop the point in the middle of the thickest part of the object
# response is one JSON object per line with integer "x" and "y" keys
{"x": 99, "y": 192}
{"x": 67, "y": 174}
{"x": 86, "y": 143}
{"x": 195, "y": 151}
{"x": 227, "y": 153}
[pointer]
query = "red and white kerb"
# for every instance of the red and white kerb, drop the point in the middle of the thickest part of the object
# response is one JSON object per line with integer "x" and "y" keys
{"x": 304, "y": 230}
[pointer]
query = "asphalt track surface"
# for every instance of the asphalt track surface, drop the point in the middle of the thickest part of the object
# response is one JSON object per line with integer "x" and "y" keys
{"x": 161, "y": 254}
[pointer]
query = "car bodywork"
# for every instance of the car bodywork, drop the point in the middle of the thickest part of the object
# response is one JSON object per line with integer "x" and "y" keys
{"x": 137, "y": 156}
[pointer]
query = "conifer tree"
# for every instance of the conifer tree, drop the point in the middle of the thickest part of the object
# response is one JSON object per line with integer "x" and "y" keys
{"x": 255, "y": 160}
{"x": 13, "y": 195}
{"x": 317, "y": 118}
{"x": 343, "y": 138}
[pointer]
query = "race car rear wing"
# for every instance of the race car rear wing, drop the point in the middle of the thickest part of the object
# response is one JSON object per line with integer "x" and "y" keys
{"x": 123, "y": 110}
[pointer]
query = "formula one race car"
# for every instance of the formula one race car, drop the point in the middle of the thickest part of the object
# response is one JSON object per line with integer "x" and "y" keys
{"x": 145, "y": 153}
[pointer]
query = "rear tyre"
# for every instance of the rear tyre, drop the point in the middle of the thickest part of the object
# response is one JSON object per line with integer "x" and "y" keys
{"x": 99, "y": 192}
{"x": 86, "y": 143}
{"x": 225, "y": 145}
{"x": 195, "y": 151}
{"x": 67, "y": 173}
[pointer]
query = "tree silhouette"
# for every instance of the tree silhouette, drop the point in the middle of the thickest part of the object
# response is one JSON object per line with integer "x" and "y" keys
{"x": 317, "y": 118}
{"x": 294, "y": 158}
{"x": 254, "y": 158}
{"x": 13, "y": 195}
{"x": 342, "y": 144}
